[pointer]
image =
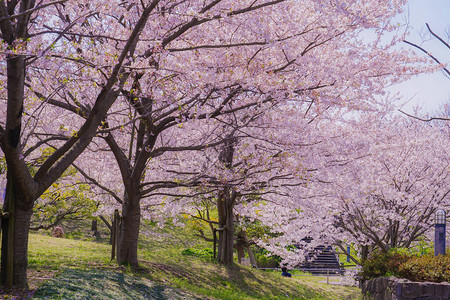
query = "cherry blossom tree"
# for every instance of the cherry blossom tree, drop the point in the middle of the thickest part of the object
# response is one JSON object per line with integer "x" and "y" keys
{"x": 376, "y": 181}
{"x": 276, "y": 61}
{"x": 257, "y": 174}
{"x": 168, "y": 62}
{"x": 388, "y": 198}
{"x": 190, "y": 79}
{"x": 380, "y": 183}
{"x": 40, "y": 42}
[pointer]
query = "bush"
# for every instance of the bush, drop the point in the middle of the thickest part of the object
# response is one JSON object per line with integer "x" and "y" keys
{"x": 412, "y": 267}
{"x": 426, "y": 268}
{"x": 203, "y": 253}
{"x": 265, "y": 260}
{"x": 381, "y": 264}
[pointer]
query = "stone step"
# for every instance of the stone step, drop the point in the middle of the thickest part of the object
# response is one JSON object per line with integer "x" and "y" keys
{"x": 322, "y": 260}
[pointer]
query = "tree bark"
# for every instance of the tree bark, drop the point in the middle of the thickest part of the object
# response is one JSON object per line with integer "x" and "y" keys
{"x": 252, "y": 257}
{"x": 240, "y": 245}
{"x": 94, "y": 229}
{"x": 240, "y": 249}
{"x": 225, "y": 204}
{"x": 129, "y": 233}
{"x": 15, "y": 227}
{"x": 226, "y": 221}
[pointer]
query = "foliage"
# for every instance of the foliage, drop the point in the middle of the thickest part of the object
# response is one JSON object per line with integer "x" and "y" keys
{"x": 64, "y": 199}
{"x": 61, "y": 203}
{"x": 381, "y": 264}
{"x": 407, "y": 264}
{"x": 204, "y": 253}
{"x": 426, "y": 268}
{"x": 255, "y": 230}
{"x": 265, "y": 260}
{"x": 2, "y": 166}
{"x": 421, "y": 247}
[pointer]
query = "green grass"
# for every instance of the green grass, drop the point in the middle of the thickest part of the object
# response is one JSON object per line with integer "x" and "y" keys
{"x": 83, "y": 269}
{"x": 101, "y": 284}
{"x": 57, "y": 253}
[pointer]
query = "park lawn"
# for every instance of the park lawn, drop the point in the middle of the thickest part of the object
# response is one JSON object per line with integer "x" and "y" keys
{"x": 72, "y": 269}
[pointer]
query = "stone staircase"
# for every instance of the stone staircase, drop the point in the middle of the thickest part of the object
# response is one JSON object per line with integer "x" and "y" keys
{"x": 321, "y": 261}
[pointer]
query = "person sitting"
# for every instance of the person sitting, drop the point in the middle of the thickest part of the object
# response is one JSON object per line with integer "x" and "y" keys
{"x": 285, "y": 272}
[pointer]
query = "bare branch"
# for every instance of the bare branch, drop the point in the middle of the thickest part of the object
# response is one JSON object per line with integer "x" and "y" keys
{"x": 30, "y": 11}
{"x": 429, "y": 54}
{"x": 438, "y": 37}
{"x": 425, "y": 120}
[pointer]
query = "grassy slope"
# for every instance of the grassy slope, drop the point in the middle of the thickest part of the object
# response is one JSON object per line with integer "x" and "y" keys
{"x": 163, "y": 272}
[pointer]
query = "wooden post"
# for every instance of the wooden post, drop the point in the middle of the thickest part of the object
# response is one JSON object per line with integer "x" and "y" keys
{"x": 117, "y": 231}
{"x": 113, "y": 235}
{"x": 215, "y": 241}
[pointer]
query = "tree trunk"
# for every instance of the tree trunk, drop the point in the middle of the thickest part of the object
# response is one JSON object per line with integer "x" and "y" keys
{"x": 240, "y": 249}
{"x": 129, "y": 233}
{"x": 15, "y": 227}
{"x": 226, "y": 223}
{"x": 240, "y": 245}
{"x": 225, "y": 204}
{"x": 94, "y": 229}
{"x": 364, "y": 252}
{"x": 252, "y": 257}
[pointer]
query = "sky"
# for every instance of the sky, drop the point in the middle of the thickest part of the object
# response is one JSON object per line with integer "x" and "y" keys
{"x": 429, "y": 91}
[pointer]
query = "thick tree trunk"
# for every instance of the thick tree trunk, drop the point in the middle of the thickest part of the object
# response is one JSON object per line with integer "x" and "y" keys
{"x": 226, "y": 223}
{"x": 15, "y": 227}
{"x": 129, "y": 233}
{"x": 225, "y": 204}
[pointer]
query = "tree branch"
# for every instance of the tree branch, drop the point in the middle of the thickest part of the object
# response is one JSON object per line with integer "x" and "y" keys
{"x": 423, "y": 119}
{"x": 429, "y": 54}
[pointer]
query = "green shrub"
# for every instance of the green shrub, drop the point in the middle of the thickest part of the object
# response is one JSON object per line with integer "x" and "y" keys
{"x": 265, "y": 260}
{"x": 381, "y": 264}
{"x": 203, "y": 253}
{"x": 412, "y": 267}
{"x": 375, "y": 266}
{"x": 426, "y": 268}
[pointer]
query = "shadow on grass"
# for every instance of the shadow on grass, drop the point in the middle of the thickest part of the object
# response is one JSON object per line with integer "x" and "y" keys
{"x": 100, "y": 284}
{"x": 259, "y": 287}
{"x": 226, "y": 282}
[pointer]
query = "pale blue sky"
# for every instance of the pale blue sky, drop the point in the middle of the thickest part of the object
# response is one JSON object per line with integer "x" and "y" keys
{"x": 429, "y": 91}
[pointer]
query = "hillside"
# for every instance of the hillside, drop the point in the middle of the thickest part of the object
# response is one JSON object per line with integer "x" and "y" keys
{"x": 73, "y": 269}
